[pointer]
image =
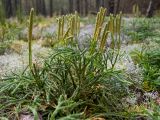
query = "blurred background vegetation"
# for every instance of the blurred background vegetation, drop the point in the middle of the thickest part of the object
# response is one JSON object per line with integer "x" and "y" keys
{"x": 11, "y": 8}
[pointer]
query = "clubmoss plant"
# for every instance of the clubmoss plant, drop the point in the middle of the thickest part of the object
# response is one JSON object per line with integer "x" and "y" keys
{"x": 104, "y": 37}
{"x": 99, "y": 23}
{"x": 72, "y": 83}
{"x": 97, "y": 31}
{"x": 30, "y": 29}
{"x": 116, "y": 38}
{"x": 60, "y": 27}
{"x": 111, "y": 30}
{"x": 115, "y": 28}
{"x": 72, "y": 27}
{"x": 64, "y": 104}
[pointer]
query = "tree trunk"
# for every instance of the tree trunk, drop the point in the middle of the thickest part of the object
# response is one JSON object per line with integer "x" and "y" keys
{"x": 117, "y": 6}
{"x": 150, "y": 9}
{"x": 78, "y": 6}
{"x": 16, "y": 4}
{"x": 51, "y": 8}
{"x": 71, "y": 6}
{"x": 38, "y": 2}
{"x": 8, "y": 7}
{"x": 97, "y": 5}
{"x": 86, "y": 7}
{"x": 43, "y": 6}
{"x": 111, "y": 6}
{"x": 40, "y": 7}
{"x": 103, "y": 3}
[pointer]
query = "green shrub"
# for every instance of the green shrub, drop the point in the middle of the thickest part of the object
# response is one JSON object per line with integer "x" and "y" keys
{"x": 8, "y": 33}
{"x": 141, "y": 29}
{"x": 3, "y": 47}
{"x": 153, "y": 111}
{"x": 148, "y": 59}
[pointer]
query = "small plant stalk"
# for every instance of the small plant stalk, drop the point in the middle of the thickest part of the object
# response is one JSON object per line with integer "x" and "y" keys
{"x": 73, "y": 28}
{"x": 30, "y": 37}
{"x": 99, "y": 23}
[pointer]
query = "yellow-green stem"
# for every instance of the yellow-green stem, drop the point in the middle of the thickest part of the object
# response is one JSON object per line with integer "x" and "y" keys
{"x": 30, "y": 37}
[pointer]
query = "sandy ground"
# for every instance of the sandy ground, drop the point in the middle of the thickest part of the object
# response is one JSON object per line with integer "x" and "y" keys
{"x": 13, "y": 62}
